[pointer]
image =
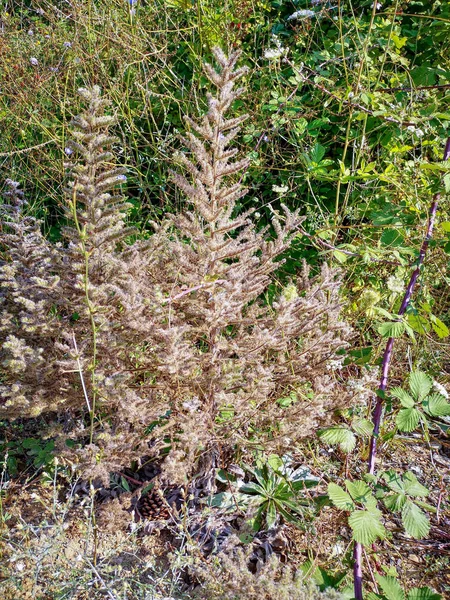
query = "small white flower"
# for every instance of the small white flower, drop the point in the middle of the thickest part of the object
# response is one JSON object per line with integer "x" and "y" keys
{"x": 34, "y": 61}
{"x": 411, "y": 128}
{"x": 395, "y": 285}
{"x": 67, "y": 44}
{"x": 30, "y": 32}
{"x": 68, "y": 151}
{"x": 378, "y": 5}
{"x": 280, "y": 189}
{"x": 20, "y": 566}
{"x": 257, "y": 215}
{"x": 440, "y": 388}
{"x": 274, "y": 53}
{"x": 301, "y": 14}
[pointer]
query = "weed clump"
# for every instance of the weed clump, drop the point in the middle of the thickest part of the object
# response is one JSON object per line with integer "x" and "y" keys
{"x": 168, "y": 342}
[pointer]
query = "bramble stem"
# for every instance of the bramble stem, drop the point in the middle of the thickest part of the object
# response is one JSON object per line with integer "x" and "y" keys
{"x": 385, "y": 365}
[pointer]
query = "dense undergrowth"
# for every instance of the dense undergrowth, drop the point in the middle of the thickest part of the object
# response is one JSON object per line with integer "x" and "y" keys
{"x": 195, "y": 349}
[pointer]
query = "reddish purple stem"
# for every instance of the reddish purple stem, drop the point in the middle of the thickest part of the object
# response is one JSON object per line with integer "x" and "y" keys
{"x": 378, "y": 411}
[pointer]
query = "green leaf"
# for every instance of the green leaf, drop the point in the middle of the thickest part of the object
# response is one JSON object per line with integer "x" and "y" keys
{"x": 254, "y": 489}
{"x": 275, "y": 462}
{"x": 445, "y": 226}
{"x": 366, "y": 526}
{"x": 359, "y": 491}
{"x": 412, "y": 487}
{"x": 391, "y": 587}
{"x": 404, "y": 397}
{"x": 424, "y": 593}
{"x": 418, "y": 323}
{"x": 395, "y": 502}
{"x": 407, "y": 419}
{"x": 271, "y": 515}
{"x": 339, "y": 435}
{"x": 420, "y": 384}
{"x": 436, "y": 405}
{"x": 391, "y": 237}
{"x": 362, "y": 427}
{"x": 339, "y": 497}
{"x": 415, "y": 521}
{"x": 394, "y": 330}
{"x": 439, "y": 327}
{"x": 317, "y": 153}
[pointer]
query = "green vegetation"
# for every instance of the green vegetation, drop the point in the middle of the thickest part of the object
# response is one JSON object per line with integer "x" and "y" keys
{"x": 225, "y": 311}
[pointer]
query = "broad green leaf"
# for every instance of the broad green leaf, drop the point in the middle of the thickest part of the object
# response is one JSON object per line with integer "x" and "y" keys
{"x": 339, "y": 497}
{"x": 407, "y": 419}
{"x": 317, "y": 153}
{"x": 439, "y": 327}
{"x": 420, "y": 384}
{"x": 275, "y": 462}
{"x": 391, "y": 237}
{"x": 339, "y": 435}
{"x": 393, "y": 481}
{"x": 404, "y": 397}
{"x": 415, "y": 521}
{"x": 445, "y": 226}
{"x": 395, "y": 502}
{"x": 419, "y": 323}
{"x": 424, "y": 593}
{"x": 412, "y": 487}
{"x": 359, "y": 491}
{"x": 436, "y": 405}
{"x": 271, "y": 515}
{"x": 366, "y": 526}
{"x": 394, "y": 329}
{"x": 362, "y": 427}
{"x": 391, "y": 587}
{"x": 254, "y": 489}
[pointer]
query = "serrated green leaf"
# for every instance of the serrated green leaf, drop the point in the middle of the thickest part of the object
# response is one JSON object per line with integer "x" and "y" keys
{"x": 394, "y": 329}
{"x": 359, "y": 491}
{"x": 366, "y": 526}
{"x": 439, "y": 327}
{"x": 415, "y": 521}
{"x": 412, "y": 487}
{"x": 362, "y": 427}
{"x": 339, "y": 435}
{"x": 420, "y": 384}
{"x": 424, "y": 593}
{"x": 404, "y": 397}
{"x": 436, "y": 405}
{"x": 407, "y": 419}
{"x": 395, "y": 502}
{"x": 339, "y": 497}
{"x": 391, "y": 587}
{"x": 393, "y": 481}
{"x": 419, "y": 323}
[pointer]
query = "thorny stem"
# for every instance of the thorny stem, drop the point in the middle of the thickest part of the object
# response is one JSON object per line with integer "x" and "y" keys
{"x": 385, "y": 365}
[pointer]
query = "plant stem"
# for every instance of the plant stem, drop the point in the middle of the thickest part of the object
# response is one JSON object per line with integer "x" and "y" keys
{"x": 378, "y": 411}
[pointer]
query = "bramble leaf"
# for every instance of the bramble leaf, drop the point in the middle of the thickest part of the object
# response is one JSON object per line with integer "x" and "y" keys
{"x": 366, "y": 526}
{"x": 420, "y": 384}
{"x": 407, "y": 419}
{"x": 436, "y": 405}
{"x": 339, "y": 435}
{"x": 415, "y": 521}
{"x": 339, "y": 497}
{"x": 424, "y": 593}
{"x": 394, "y": 329}
{"x": 403, "y": 396}
{"x": 391, "y": 587}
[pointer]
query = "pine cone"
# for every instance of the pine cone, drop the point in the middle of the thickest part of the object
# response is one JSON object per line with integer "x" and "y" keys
{"x": 154, "y": 506}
